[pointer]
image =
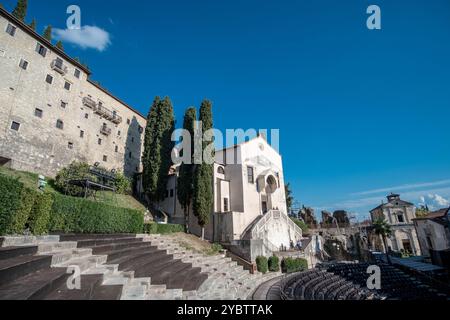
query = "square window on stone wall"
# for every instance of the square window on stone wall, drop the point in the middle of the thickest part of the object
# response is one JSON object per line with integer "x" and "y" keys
{"x": 77, "y": 73}
{"x": 11, "y": 30}
{"x": 70, "y": 145}
{"x": 81, "y": 134}
{"x": 117, "y": 149}
{"x": 41, "y": 49}
{"x": 105, "y": 158}
{"x": 63, "y": 104}
{"x": 60, "y": 124}
{"x": 38, "y": 113}
{"x": 86, "y": 116}
{"x": 99, "y": 142}
{"x": 23, "y": 64}
{"x": 49, "y": 79}
{"x": 15, "y": 126}
{"x": 67, "y": 85}
{"x": 250, "y": 175}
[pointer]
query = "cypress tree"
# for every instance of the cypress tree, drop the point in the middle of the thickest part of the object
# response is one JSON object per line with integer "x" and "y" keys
{"x": 185, "y": 189}
{"x": 48, "y": 33}
{"x": 166, "y": 128}
{"x": 59, "y": 45}
{"x": 20, "y": 11}
{"x": 33, "y": 24}
{"x": 158, "y": 146}
{"x": 203, "y": 178}
{"x": 149, "y": 157}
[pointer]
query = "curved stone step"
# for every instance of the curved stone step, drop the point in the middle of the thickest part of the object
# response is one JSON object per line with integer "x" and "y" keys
{"x": 141, "y": 261}
{"x": 60, "y": 257}
{"x": 56, "y": 246}
{"x": 88, "y": 283}
{"x": 84, "y": 263}
{"x": 91, "y": 243}
{"x": 14, "y": 268}
{"x": 34, "y": 285}
{"x": 101, "y": 249}
{"x": 12, "y": 252}
{"x": 79, "y": 237}
{"x": 118, "y": 256}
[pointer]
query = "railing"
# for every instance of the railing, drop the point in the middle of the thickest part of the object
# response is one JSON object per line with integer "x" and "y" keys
{"x": 270, "y": 246}
{"x": 59, "y": 66}
{"x": 276, "y": 214}
{"x": 116, "y": 119}
{"x": 105, "y": 130}
{"x": 88, "y": 102}
{"x": 261, "y": 224}
{"x": 102, "y": 111}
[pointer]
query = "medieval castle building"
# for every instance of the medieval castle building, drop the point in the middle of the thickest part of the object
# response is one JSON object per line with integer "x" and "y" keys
{"x": 52, "y": 114}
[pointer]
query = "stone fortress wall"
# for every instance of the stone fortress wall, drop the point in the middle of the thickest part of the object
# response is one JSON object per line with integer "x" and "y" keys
{"x": 46, "y": 126}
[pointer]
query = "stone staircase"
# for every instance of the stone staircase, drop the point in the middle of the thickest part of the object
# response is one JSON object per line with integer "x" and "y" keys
{"x": 127, "y": 267}
{"x": 226, "y": 280}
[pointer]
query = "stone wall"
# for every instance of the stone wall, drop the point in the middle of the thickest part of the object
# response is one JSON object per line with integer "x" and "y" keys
{"x": 40, "y": 146}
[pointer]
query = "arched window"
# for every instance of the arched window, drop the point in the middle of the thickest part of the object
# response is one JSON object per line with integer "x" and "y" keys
{"x": 271, "y": 184}
{"x": 220, "y": 170}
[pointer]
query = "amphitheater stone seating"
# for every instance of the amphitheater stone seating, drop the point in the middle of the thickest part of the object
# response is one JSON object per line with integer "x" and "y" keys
{"x": 125, "y": 266}
{"x": 348, "y": 281}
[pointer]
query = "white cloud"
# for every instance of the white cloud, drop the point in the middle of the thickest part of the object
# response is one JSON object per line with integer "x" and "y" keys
{"x": 87, "y": 37}
{"x": 434, "y": 201}
{"x": 404, "y": 187}
{"x": 435, "y": 198}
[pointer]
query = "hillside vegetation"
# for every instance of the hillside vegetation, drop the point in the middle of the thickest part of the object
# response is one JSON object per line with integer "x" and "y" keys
{"x": 30, "y": 180}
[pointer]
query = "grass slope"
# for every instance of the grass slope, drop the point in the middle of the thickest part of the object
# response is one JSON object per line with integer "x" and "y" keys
{"x": 30, "y": 180}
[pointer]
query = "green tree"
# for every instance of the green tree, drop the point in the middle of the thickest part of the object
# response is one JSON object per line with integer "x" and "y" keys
{"x": 301, "y": 224}
{"x": 185, "y": 190}
{"x": 158, "y": 146}
{"x": 59, "y": 45}
{"x": 48, "y": 33}
{"x": 422, "y": 212}
{"x": 383, "y": 229}
{"x": 20, "y": 11}
{"x": 150, "y": 156}
{"x": 33, "y": 24}
{"x": 289, "y": 197}
{"x": 167, "y": 127}
{"x": 203, "y": 178}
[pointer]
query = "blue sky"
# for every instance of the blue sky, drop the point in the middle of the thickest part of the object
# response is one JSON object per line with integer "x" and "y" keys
{"x": 361, "y": 113}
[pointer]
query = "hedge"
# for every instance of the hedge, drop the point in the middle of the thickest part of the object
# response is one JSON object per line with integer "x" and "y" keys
{"x": 40, "y": 214}
{"x": 262, "y": 264}
{"x": 20, "y": 219}
{"x": 77, "y": 215}
{"x": 21, "y": 207}
{"x": 151, "y": 228}
{"x": 274, "y": 264}
{"x": 290, "y": 265}
{"x": 156, "y": 228}
{"x": 10, "y": 195}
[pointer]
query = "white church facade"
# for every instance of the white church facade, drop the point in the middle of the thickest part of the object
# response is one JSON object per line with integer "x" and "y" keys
{"x": 249, "y": 214}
